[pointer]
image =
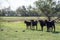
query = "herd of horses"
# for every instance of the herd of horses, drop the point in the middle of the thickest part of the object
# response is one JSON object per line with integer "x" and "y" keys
{"x": 50, "y": 24}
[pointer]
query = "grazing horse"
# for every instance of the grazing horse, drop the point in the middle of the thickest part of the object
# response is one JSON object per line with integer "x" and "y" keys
{"x": 28, "y": 23}
{"x": 34, "y": 23}
{"x": 50, "y": 24}
{"x": 42, "y": 24}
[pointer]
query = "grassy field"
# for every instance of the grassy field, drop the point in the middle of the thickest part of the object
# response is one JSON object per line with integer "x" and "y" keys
{"x": 14, "y": 31}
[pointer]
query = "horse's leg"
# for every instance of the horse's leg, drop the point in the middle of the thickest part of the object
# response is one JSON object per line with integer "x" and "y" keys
{"x": 51, "y": 28}
{"x": 48, "y": 29}
{"x": 41, "y": 28}
{"x": 30, "y": 27}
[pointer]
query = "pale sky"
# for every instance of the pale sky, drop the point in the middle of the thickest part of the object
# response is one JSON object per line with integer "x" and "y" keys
{"x": 14, "y": 4}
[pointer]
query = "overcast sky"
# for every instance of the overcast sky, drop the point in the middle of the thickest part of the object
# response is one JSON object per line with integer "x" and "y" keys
{"x": 15, "y": 3}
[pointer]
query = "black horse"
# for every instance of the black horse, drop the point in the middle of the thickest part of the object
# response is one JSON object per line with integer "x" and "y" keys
{"x": 50, "y": 24}
{"x": 31, "y": 24}
{"x": 42, "y": 24}
{"x": 28, "y": 24}
{"x": 34, "y": 23}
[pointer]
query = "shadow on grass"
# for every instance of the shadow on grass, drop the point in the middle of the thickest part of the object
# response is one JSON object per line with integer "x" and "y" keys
{"x": 35, "y": 30}
{"x": 39, "y": 30}
{"x": 1, "y": 26}
{"x": 56, "y": 32}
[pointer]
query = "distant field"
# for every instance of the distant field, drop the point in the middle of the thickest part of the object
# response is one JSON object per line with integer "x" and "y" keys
{"x": 22, "y": 18}
{"x": 14, "y": 31}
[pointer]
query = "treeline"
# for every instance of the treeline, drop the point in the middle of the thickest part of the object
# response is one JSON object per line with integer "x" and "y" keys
{"x": 48, "y": 8}
{"x": 21, "y": 11}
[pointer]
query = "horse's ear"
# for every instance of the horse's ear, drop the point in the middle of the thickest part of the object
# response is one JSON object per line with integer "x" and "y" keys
{"x": 25, "y": 21}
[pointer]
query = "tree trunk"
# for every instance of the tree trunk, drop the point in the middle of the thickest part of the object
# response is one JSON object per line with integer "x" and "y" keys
{"x": 49, "y": 18}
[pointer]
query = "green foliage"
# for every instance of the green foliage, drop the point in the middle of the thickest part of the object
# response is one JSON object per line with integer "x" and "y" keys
{"x": 47, "y": 7}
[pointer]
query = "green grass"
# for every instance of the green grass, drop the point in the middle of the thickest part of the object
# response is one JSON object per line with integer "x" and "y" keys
{"x": 10, "y": 28}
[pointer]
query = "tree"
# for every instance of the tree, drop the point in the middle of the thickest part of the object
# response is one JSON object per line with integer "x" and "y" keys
{"x": 58, "y": 9}
{"x": 24, "y": 10}
{"x": 32, "y": 11}
{"x": 0, "y": 13}
{"x": 47, "y": 7}
{"x": 29, "y": 12}
{"x": 3, "y": 12}
{"x": 21, "y": 11}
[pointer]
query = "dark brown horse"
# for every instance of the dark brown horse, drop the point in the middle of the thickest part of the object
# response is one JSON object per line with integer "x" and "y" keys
{"x": 50, "y": 24}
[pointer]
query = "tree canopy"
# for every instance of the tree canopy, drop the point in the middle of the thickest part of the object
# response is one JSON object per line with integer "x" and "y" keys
{"x": 48, "y": 7}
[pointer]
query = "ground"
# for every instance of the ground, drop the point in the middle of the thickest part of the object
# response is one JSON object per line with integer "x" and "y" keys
{"x": 17, "y": 31}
